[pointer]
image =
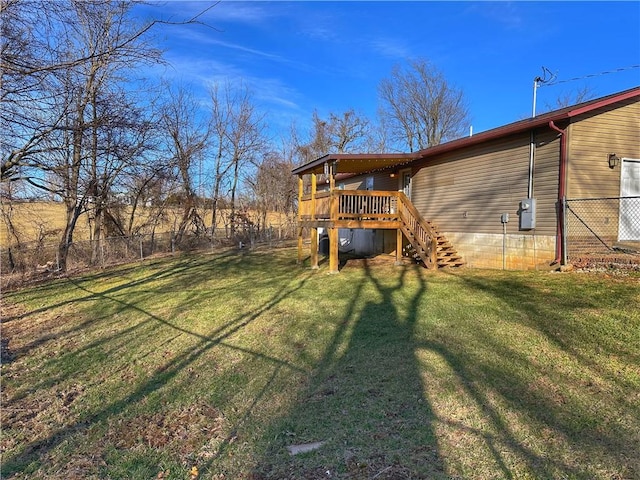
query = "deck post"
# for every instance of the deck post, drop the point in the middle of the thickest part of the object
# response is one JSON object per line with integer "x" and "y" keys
{"x": 300, "y": 190}
{"x": 314, "y": 248}
{"x": 398, "y": 247}
{"x": 333, "y": 250}
{"x": 333, "y": 214}
{"x": 399, "y": 242}
{"x": 314, "y": 230}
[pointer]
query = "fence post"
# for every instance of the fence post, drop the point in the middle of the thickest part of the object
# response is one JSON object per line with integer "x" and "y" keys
{"x": 141, "y": 253}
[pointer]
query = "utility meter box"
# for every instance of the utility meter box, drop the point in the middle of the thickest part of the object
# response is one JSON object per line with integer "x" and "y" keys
{"x": 528, "y": 214}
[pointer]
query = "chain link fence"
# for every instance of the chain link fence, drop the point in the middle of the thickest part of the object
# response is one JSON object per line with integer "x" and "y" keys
{"x": 602, "y": 226}
{"x": 22, "y": 262}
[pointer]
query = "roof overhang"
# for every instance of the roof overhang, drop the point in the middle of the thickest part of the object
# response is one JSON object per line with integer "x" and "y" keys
{"x": 356, "y": 163}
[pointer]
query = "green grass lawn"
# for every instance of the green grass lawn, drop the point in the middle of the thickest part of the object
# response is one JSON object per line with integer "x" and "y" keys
{"x": 220, "y": 362}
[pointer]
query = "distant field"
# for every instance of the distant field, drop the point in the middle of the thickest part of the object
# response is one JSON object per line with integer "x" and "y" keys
{"x": 46, "y": 220}
{"x": 221, "y": 363}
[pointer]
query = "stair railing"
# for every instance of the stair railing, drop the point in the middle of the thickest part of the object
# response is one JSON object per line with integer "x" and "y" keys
{"x": 423, "y": 234}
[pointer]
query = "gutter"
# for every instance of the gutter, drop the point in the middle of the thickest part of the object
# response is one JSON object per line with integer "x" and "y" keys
{"x": 562, "y": 181}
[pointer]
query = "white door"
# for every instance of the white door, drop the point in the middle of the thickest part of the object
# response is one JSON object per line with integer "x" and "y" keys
{"x": 369, "y": 183}
{"x": 405, "y": 183}
{"x": 629, "y": 226}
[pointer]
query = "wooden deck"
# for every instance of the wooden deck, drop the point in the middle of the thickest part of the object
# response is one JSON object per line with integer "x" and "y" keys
{"x": 369, "y": 209}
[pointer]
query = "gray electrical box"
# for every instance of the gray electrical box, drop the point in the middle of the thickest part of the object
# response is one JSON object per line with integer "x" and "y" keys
{"x": 528, "y": 214}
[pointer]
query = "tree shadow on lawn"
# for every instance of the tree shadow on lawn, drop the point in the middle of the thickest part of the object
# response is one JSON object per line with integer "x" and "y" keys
{"x": 178, "y": 276}
{"x": 365, "y": 403}
{"x": 160, "y": 271}
{"x": 371, "y": 396}
{"x": 577, "y": 406}
{"x": 190, "y": 271}
{"x": 369, "y": 411}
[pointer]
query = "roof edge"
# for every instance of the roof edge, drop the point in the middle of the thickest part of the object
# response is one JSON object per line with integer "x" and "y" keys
{"x": 533, "y": 122}
{"x": 565, "y": 113}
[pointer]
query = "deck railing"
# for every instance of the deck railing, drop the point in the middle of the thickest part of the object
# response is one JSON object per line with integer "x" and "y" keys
{"x": 351, "y": 205}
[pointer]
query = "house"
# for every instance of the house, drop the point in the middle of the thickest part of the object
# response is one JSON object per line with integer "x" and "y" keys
{"x": 526, "y": 195}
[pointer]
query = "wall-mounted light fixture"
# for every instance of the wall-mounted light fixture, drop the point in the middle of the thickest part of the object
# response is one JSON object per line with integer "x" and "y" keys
{"x": 392, "y": 174}
{"x": 614, "y": 160}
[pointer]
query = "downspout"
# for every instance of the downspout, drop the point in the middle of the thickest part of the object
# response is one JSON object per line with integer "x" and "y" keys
{"x": 532, "y": 147}
{"x": 561, "y": 193}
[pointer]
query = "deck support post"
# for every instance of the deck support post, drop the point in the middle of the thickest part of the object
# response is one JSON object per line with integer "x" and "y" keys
{"x": 333, "y": 213}
{"x": 314, "y": 248}
{"x": 398, "y": 247}
{"x": 333, "y": 250}
{"x": 300, "y": 229}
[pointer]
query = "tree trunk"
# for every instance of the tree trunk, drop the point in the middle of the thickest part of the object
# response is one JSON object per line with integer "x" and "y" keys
{"x": 236, "y": 164}
{"x": 72, "y": 215}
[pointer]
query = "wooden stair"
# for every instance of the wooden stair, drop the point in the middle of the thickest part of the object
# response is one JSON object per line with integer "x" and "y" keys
{"x": 421, "y": 234}
{"x": 447, "y": 255}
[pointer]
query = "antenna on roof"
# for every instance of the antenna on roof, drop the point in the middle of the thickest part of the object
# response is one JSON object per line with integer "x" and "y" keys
{"x": 551, "y": 77}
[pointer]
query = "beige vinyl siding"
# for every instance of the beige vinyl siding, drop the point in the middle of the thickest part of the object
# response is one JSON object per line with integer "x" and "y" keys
{"x": 385, "y": 182}
{"x": 381, "y": 181}
{"x": 353, "y": 183}
{"x": 545, "y": 180}
{"x": 484, "y": 181}
{"x": 591, "y": 138}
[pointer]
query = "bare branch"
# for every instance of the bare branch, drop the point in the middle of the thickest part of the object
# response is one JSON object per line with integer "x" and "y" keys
{"x": 420, "y": 107}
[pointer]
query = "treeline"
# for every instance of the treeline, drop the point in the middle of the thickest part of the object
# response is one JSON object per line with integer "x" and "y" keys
{"x": 82, "y": 126}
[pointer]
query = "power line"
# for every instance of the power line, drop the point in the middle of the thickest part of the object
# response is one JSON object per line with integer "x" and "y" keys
{"x": 556, "y": 82}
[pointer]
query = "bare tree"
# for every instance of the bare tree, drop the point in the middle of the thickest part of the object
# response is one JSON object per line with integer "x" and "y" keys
{"x": 148, "y": 183}
{"x": 238, "y": 139}
{"x": 420, "y": 107}
{"x": 72, "y": 126}
{"x": 273, "y": 188}
{"x": 348, "y": 132}
{"x": 572, "y": 97}
{"x": 38, "y": 47}
{"x": 29, "y": 107}
{"x": 187, "y": 143}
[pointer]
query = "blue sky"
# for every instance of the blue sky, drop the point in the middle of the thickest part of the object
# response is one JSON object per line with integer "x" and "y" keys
{"x": 298, "y": 57}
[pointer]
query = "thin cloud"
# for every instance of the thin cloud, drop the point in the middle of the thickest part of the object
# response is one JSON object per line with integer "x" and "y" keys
{"x": 391, "y": 48}
{"x": 507, "y": 14}
{"x": 207, "y": 73}
{"x": 219, "y": 14}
